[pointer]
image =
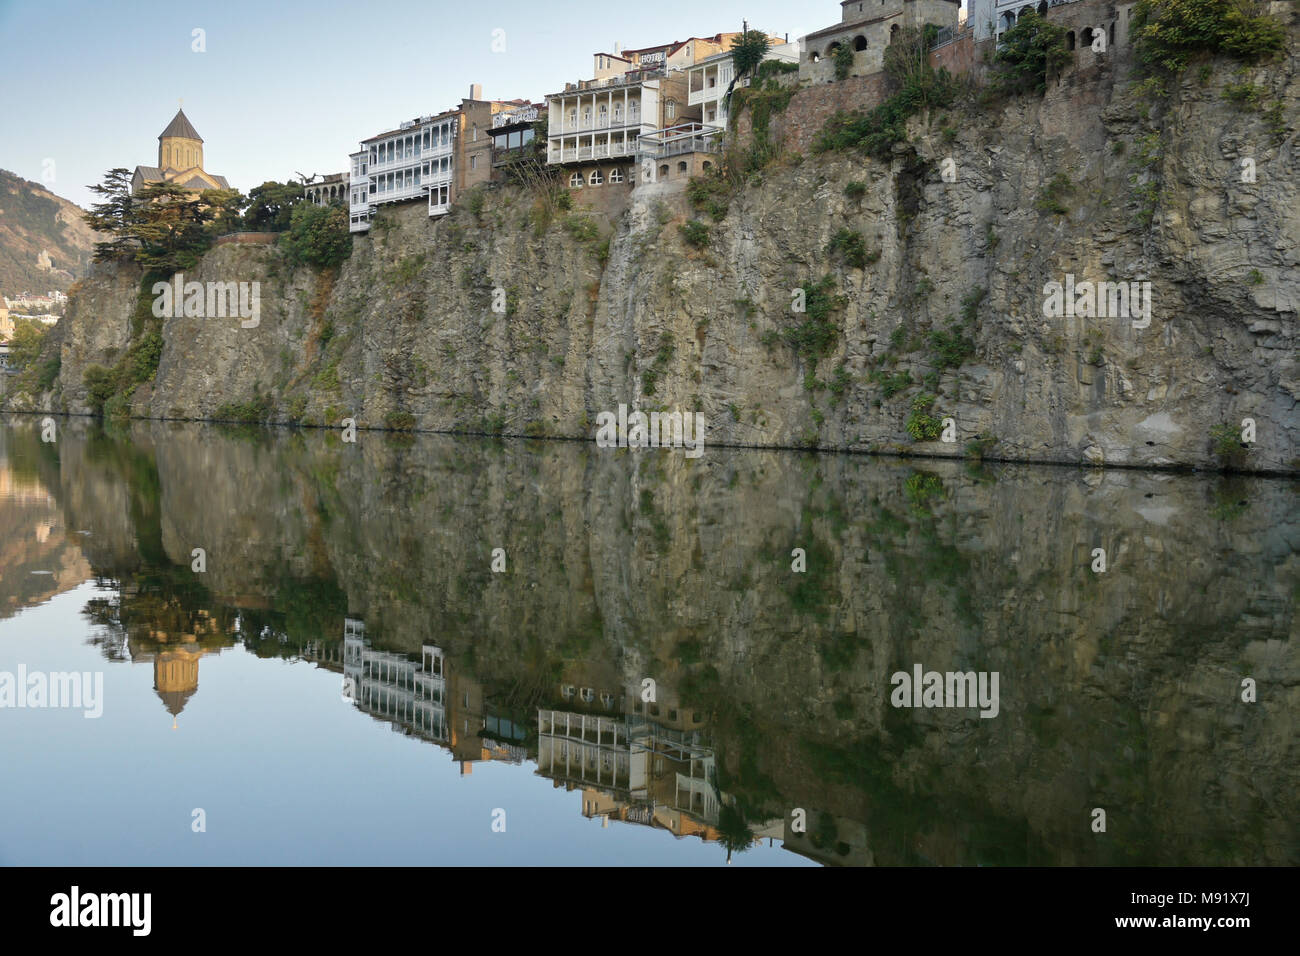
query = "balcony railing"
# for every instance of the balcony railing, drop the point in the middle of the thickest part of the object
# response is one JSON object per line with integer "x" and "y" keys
{"x": 681, "y": 139}
{"x": 578, "y": 154}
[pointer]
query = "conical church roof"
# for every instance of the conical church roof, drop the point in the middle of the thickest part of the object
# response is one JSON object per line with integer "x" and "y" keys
{"x": 180, "y": 126}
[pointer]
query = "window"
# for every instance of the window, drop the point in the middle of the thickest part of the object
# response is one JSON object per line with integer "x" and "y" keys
{"x": 681, "y": 167}
{"x": 616, "y": 175}
{"x": 604, "y": 115}
{"x": 473, "y": 162}
{"x": 575, "y": 181}
{"x": 663, "y": 171}
{"x": 670, "y": 109}
{"x": 596, "y": 178}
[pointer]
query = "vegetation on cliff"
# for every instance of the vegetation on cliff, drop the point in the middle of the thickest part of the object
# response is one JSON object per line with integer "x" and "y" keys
{"x": 1169, "y": 33}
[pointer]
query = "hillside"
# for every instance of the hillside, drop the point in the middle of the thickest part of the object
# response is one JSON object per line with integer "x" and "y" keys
{"x": 44, "y": 245}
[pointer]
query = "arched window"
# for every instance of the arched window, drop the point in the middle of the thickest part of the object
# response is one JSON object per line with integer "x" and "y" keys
{"x": 575, "y": 181}
{"x": 670, "y": 109}
{"x": 573, "y": 118}
{"x": 586, "y": 117}
{"x": 596, "y": 178}
{"x": 893, "y": 33}
{"x": 1085, "y": 38}
{"x": 616, "y": 175}
{"x": 604, "y": 115}
{"x": 1112, "y": 33}
{"x": 618, "y": 113}
{"x": 859, "y": 43}
{"x": 681, "y": 167}
{"x": 1042, "y": 8}
{"x": 1069, "y": 40}
{"x": 814, "y": 56}
{"x": 663, "y": 171}
{"x": 707, "y": 165}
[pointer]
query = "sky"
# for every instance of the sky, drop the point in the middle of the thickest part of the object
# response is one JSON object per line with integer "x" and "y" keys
{"x": 285, "y": 86}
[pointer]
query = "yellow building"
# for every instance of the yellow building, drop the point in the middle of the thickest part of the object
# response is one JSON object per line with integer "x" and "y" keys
{"x": 180, "y": 160}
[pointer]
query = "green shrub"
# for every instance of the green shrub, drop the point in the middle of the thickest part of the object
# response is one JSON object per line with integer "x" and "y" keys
{"x": 253, "y": 412}
{"x": 1226, "y": 443}
{"x": 100, "y": 384}
{"x": 710, "y": 193}
{"x": 582, "y": 228}
{"x": 951, "y": 347}
{"x": 892, "y": 383}
{"x": 921, "y": 425}
{"x": 399, "y": 421}
{"x": 694, "y": 233}
{"x": 318, "y": 235}
{"x": 843, "y": 60}
{"x": 1051, "y": 197}
{"x": 852, "y": 248}
{"x": 816, "y": 335}
{"x": 1028, "y": 54}
{"x": 855, "y": 189}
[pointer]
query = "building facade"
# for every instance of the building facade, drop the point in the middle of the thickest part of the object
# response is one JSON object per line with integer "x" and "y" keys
{"x": 430, "y": 158}
{"x": 514, "y": 136}
{"x": 866, "y": 28}
{"x": 332, "y": 188}
{"x": 415, "y": 161}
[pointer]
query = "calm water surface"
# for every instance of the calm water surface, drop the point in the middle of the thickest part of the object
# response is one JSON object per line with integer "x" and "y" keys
{"x": 348, "y": 682}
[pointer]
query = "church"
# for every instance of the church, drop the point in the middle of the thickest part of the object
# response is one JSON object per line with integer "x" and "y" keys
{"x": 180, "y": 160}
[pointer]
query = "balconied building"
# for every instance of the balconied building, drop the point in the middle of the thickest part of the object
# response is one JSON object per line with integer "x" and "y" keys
{"x": 414, "y": 161}
{"x": 431, "y": 158}
{"x": 331, "y": 188}
{"x": 867, "y": 27}
{"x": 412, "y": 695}
{"x": 710, "y": 78}
{"x": 595, "y": 127}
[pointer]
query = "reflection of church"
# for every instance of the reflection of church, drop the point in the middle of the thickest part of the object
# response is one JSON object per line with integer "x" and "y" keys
{"x": 175, "y": 656}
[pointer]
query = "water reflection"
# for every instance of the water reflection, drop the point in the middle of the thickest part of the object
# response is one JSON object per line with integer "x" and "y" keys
{"x": 767, "y": 719}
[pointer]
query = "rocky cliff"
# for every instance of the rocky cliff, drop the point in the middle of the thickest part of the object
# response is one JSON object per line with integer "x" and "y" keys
{"x": 939, "y": 312}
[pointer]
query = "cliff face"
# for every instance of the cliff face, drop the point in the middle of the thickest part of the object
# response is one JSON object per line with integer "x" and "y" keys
{"x": 962, "y": 232}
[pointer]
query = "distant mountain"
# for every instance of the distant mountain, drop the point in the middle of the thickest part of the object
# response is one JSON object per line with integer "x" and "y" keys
{"x": 44, "y": 244}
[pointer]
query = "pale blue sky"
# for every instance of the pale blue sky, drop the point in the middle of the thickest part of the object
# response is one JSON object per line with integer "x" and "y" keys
{"x": 287, "y": 85}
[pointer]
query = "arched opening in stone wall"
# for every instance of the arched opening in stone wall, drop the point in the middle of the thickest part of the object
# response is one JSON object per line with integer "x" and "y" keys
{"x": 859, "y": 43}
{"x": 1069, "y": 40}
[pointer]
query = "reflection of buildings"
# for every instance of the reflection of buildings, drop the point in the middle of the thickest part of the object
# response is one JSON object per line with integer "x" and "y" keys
{"x": 423, "y": 699}
{"x": 635, "y": 770}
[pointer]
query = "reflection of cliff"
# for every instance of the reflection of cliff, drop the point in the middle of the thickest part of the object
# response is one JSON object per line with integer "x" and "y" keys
{"x": 39, "y": 557}
{"x": 1119, "y": 689}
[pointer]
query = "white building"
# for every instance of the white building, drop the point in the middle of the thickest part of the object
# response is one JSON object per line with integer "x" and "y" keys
{"x": 602, "y": 119}
{"x": 414, "y": 161}
{"x": 711, "y": 78}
